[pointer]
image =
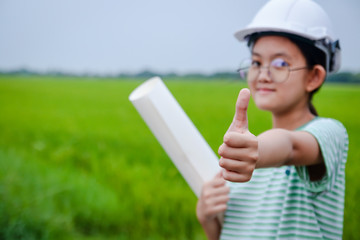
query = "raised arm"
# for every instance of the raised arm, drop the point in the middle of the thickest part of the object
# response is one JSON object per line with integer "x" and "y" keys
{"x": 242, "y": 151}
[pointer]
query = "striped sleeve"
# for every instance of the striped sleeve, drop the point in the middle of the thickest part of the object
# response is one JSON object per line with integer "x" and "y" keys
{"x": 333, "y": 141}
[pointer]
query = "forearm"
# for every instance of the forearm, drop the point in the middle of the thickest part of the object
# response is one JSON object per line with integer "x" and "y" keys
{"x": 211, "y": 228}
{"x": 275, "y": 148}
{"x": 278, "y": 147}
{"x": 212, "y": 204}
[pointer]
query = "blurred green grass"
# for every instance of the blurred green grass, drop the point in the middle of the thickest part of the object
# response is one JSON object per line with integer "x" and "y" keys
{"x": 78, "y": 162}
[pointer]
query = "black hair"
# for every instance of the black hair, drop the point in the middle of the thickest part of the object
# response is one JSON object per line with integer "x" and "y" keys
{"x": 313, "y": 55}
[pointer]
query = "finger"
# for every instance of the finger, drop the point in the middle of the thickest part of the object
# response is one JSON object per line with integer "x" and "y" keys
{"x": 240, "y": 121}
{"x": 240, "y": 140}
{"x": 221, "y": 199}
{"x": 236, "y": 177}
{"x": 217, "y": 209}
{"x": 240, "y": 167}
{"x": 211, "y": 194}
{"x": 239, "y": 154}
{"x": 242, "y": 148}
{"x": 218, "y": 175}
{"x": 218, "y": 181}
{"x": 217, "y": 199}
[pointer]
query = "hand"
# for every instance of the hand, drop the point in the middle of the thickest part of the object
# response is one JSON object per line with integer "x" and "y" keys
{"x": 213, "y": 199}
{"x": 239, "y": 152}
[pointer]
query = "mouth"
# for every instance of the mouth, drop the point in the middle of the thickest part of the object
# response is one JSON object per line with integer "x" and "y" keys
{"x": 265, "y": 90}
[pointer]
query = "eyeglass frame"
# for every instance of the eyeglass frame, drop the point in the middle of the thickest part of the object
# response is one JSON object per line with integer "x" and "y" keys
{"x": 268, "y": 71}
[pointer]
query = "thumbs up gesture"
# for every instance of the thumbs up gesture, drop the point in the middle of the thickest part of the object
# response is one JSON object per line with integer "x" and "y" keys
{"x": 239, "y": 152}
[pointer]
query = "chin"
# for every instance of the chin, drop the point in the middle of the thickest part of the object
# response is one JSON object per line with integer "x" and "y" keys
{"x": 263, "y": 104}
{"x": 264, "y": 107}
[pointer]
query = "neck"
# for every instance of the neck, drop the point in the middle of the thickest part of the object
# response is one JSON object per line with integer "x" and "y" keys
{"x": 293, "y": 120}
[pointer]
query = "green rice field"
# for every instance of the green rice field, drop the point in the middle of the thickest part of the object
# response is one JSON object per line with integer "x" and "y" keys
{"x": 78, "y": 162}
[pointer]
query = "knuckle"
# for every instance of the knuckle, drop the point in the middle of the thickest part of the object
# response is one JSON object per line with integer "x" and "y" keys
{"x": 254, "y": 157}
{"x": 225, "y": 175}
{"x": 207, "y": 202}
{"x": 221, "y": 150}
{"x": 248, "y": 170}
{"x": 206, "y": 192}
{"x": 246, "y": 177}
{"x": 206, "y": 186}
{"x": 222, "y": 163}
{"x": 227, "y": 191}
{"x": 253, "y": 142}
{"x": 227, "y": 137}
{"x": 206, "y": 195}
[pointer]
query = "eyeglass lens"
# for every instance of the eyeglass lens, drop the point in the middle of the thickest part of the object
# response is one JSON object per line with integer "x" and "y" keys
{"x": 278, "y": 70}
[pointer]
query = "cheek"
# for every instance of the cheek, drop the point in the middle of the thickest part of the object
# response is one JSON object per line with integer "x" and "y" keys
{"x": 292, "y": 95}
{"x": 293, "y": 88}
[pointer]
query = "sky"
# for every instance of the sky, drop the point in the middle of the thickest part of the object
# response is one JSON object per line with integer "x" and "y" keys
{"x": 129, "y": 36}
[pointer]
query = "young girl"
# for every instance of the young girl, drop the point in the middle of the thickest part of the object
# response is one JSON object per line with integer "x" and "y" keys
{"x": 288, "y": 182}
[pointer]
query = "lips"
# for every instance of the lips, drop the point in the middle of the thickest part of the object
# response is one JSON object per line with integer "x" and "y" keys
{"x": 265, "y": 90}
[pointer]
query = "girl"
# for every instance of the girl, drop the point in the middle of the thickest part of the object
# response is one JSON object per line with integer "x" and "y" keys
{"x": 288, "y": 182}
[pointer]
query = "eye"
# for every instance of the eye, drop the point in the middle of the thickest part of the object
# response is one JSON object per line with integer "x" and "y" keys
{"x": 279, "y": 63}
{"x": 255, "y": 63}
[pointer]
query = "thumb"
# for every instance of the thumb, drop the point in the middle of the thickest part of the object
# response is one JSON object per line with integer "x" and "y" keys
{"x": 240, "y": 121}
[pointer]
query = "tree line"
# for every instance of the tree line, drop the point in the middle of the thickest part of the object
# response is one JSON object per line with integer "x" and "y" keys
{"x": 341, "y": 77}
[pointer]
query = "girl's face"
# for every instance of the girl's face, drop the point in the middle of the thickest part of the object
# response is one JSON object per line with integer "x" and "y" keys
{"x": 285, "y": 93}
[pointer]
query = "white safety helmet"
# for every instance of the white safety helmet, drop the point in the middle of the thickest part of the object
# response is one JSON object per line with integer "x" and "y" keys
{"x": 302, "y": 18}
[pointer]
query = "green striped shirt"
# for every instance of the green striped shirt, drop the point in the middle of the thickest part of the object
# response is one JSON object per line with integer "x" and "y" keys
{"x": 282, "y": 203}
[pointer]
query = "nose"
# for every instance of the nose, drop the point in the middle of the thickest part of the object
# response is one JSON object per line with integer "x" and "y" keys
{"x": 264, "y": 74}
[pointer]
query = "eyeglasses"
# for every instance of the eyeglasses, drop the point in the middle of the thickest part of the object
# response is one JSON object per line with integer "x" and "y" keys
{"x": 278, "y": 71}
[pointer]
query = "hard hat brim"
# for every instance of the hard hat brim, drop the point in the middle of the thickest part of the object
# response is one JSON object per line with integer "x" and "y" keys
{"x": 243, "y": 34}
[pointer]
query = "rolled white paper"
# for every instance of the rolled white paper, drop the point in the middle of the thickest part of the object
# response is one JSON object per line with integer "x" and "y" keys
{"x": 179, "y": 137}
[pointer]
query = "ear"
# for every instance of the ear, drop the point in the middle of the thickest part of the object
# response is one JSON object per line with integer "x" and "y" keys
{"x": 316, "y": 78}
